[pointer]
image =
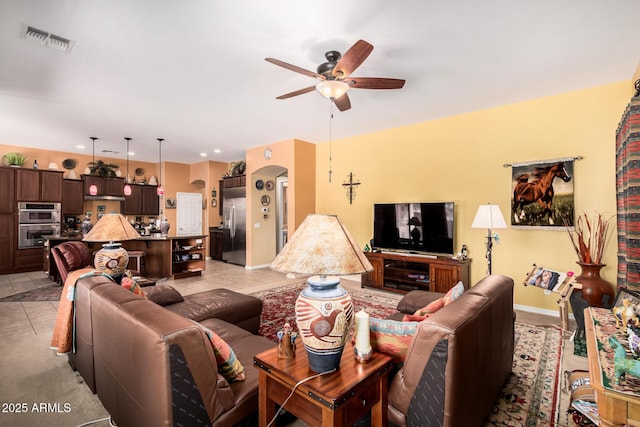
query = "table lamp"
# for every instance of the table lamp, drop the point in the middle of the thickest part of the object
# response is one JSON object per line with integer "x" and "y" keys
{"x": 112, "y": 228}
{"x": 323, "y": 249}
{"x": 490, "y": 217}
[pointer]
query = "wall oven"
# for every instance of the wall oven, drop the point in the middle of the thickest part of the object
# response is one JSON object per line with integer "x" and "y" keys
{"x": 37, "y": 223}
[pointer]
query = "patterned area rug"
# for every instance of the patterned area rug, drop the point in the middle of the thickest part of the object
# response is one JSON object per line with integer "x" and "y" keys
{"x": 45, "y": 293}
{"x": 278, "y": 306}
{"x": 530, "y": 397}
{"x": 532, "y": 394}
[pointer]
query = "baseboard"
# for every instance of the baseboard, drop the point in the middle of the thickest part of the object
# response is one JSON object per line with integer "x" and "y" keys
{"x": 256, "y": 267}
{"x": 529, "y": 309}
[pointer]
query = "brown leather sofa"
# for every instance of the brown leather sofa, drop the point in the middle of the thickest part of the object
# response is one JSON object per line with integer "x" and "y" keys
{"x": 241, "y": 310}
{"x": 155, "y": 367}
{"x": 458, "y": 360}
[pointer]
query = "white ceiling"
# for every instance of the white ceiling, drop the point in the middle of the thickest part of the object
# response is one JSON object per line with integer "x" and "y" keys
{"x": 193, "y": 71}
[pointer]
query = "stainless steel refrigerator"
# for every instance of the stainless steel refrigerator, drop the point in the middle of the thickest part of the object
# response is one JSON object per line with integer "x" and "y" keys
{"x": 234, "y": 233}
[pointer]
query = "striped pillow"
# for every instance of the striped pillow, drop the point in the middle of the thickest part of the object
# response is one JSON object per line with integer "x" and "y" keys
{"x": 228, "y": 364}
{"x": 392, "y": 337}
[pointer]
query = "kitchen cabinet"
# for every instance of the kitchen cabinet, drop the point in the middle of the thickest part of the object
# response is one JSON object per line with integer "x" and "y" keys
{"x": 107, "y": 186}
{"x": 407, "y": 272}
{"x": 235, "y": 181}
{"x": 8, "y": 237}
{"x": 7, "y": 195}
{"x": 72, "y": 197}
{"x": 142, "y": 201}
{"x": 34, "y": 185}
{"x": 215, "y": 243}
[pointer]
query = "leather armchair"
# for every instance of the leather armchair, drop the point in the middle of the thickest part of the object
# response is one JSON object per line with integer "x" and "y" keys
{"x": 70, "y": 256}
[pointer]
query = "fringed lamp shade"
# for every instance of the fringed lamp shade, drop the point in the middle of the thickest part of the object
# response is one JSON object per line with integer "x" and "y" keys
{"x": 112, "y": 259}
{"x": 323, "y": 247}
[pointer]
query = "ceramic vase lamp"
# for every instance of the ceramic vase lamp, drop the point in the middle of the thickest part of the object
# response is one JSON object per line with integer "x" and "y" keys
{"x": 111, "y": 229}
{"x": 323, "y": 249}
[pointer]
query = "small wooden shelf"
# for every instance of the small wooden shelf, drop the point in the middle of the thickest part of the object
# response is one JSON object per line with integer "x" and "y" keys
{"x": 187, "y": 256}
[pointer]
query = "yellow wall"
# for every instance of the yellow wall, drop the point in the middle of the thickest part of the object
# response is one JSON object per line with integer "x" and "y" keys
{"x": 461, "y": 159}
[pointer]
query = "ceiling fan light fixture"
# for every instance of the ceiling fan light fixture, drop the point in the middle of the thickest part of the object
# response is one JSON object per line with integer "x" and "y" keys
{"x": 332, "y": 88}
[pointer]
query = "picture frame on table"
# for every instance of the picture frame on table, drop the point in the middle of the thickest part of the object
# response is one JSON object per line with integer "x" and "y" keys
{"x": 626, "y": 294}
{"x": 548, "y": 279}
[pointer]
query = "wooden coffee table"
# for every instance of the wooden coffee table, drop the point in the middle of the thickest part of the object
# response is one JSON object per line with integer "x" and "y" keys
{"x": 336, "y": 399}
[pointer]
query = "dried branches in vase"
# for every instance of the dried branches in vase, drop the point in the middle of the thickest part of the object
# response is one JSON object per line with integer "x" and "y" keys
{"x": 589, "y": 237}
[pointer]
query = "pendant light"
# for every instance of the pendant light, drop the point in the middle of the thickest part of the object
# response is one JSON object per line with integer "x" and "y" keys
{"x": 127, "y": 187}
{"x": 93, "y": 188}
{"x": 159, "y": 189}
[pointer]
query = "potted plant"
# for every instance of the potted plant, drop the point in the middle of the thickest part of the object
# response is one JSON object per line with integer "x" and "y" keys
{"x": 15, "y": 159}
{"x": 101, "y": 168}
{"x": 237, "y": 168}
{"x": 589, "y": 238}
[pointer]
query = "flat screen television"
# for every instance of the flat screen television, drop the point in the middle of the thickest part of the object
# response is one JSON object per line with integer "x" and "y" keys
{"x": 426, "y": 227}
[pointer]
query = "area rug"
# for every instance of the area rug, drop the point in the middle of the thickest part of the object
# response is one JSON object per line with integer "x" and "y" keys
{"x": 278, "y": 306}
{"x": 532, "y": 393}
{"x": 44, "y": 293}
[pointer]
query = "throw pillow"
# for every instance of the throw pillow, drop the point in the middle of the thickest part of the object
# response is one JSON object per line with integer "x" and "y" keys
{"x": 391, "y": 337}
{"x": 228, "y": 364}
{"x": 454, "y": 293}
{"x": 163, "y": 295}
{"x": 131, "y": 285}
{"x": 430, "y": 308}
{"x": 414, "y": 317}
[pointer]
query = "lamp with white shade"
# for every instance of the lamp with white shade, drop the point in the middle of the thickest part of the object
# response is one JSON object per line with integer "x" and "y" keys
{"x": 323, "y": 248}
{"x": 490, "y": 217}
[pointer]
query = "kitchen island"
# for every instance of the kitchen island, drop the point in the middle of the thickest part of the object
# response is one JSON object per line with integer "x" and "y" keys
{"x": 170, "y": 256}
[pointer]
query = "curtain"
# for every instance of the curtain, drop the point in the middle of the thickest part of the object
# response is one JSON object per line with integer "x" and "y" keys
{"x": 628, "y": 195}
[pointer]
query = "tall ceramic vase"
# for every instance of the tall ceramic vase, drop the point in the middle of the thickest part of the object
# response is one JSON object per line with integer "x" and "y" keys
{"x": 324, "y": 314}
{"x": 596, "y": 291}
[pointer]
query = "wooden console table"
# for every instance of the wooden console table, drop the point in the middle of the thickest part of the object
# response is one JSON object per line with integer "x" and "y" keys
{"x": 615, "y": 408}
{"x": 336, "y": 399}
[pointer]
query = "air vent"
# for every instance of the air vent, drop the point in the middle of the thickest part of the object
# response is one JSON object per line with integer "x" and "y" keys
{"x": 44, "y": 38}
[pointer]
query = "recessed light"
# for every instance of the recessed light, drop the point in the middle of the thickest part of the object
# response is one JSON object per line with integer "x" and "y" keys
{"x": 80, "y": 147}
{"x": 217, "y": 151}
{"x": 203, "y": 154}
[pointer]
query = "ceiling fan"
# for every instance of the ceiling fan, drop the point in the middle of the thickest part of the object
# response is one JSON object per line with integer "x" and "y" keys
{"x": 334, "y": 75}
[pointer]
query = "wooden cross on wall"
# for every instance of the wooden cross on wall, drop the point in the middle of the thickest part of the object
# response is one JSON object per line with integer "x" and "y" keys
{"x": 351, "y": 186}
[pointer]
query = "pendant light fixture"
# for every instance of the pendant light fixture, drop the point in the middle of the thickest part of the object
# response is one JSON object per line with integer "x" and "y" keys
{"x": 159, "y": 189}
{"x": 127, "y": 187}
{"x": 93, "y": 188}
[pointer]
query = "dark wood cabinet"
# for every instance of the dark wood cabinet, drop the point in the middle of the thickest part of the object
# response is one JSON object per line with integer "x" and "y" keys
{"x": 8, "y": 241}
{"x": 142, "y": 201}
{"x": 220, "y": 196}
{"x": 235, "y": 181}
{"x": 215, "y": 244}
{"x": 407, "y": 272}
{"x": 33, "y": 185}
{"x": 107, "y": 186}
{"x": 72, "y": 197}
{"x": 7, "y": 195}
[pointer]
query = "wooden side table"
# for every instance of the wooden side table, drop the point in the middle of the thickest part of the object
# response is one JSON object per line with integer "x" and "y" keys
{"x": 336, "y": 399}
{"x": 615, "y": 409}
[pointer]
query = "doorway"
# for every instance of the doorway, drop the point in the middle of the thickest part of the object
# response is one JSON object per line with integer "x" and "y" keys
{"x": 282, "y": 229}
{"x": 189, "y": 214}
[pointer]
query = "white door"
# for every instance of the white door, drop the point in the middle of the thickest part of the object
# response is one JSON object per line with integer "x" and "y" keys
{"x": 189, "y": 214}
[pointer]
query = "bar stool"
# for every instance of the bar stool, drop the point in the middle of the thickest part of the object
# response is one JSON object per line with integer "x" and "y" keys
{"x": 140, "y": 264}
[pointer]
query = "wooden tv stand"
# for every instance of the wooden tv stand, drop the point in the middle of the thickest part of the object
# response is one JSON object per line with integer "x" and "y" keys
{"x": 400, "y": 272}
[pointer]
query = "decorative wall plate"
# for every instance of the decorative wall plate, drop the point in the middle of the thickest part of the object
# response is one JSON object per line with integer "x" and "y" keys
{"x": 69, "y": 164}
{"x": 259, "y": 184}
{"x": 268, "y": 185}
{"x": 139, "y": 171}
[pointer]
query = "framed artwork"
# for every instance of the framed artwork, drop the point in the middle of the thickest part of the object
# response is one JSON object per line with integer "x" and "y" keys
{"x": 101, "y": 208}
{"x": 626, "y": 294}
{"x": 214, "y": 203}
{"x": 170, "y": 203}
{"x": 548, "y": 279}
{"x": 542, "y": 194}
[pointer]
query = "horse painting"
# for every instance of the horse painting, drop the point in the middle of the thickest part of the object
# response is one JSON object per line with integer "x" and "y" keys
{"x": 537, "y": 187}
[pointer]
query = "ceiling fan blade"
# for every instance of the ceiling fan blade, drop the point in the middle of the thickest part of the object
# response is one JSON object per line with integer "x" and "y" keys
{"x": 352, "y": 59}
{"x": 295, "y": 68}
{"x": 297, "y": 92}
{"x": 374, "y": 83}
{"x": 343, "y": 103}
